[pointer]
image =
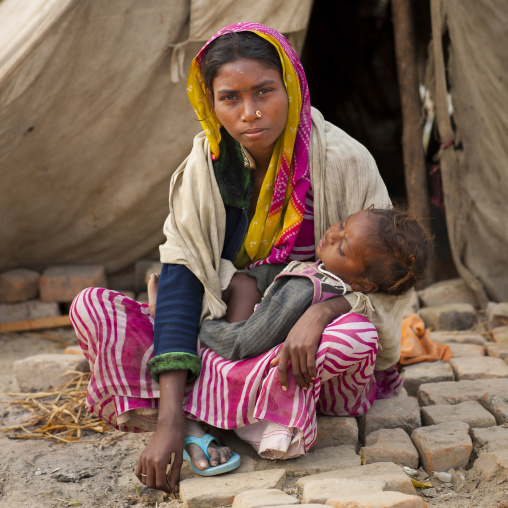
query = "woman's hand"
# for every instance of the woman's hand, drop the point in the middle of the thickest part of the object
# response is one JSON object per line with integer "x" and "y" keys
{"x": 166, "y": 444}
{"x": 167, "y": 441}
{"x": 303, "y": 340}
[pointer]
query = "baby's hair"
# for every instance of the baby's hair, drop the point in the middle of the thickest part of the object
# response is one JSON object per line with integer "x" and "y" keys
{"x": 399, "y": 252}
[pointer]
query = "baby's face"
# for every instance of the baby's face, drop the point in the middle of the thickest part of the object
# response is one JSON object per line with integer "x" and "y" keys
{"x": 343, "y": 246}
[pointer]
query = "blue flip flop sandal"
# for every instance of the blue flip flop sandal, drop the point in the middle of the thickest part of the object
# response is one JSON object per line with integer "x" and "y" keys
{"x": 203, "y": 443}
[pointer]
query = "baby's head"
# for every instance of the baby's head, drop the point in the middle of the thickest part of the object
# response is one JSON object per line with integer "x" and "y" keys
{"x": 377, "y": 250}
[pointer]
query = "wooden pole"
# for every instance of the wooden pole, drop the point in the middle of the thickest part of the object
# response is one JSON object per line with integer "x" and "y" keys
{"x": 35, "y": 324}
{"x": 412, "y": 121}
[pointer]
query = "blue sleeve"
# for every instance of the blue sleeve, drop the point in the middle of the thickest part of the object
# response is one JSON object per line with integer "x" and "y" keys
{"x": 177, "y": 314}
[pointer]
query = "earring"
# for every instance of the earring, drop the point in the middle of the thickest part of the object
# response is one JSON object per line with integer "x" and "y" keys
{"x": 259, "y": 114}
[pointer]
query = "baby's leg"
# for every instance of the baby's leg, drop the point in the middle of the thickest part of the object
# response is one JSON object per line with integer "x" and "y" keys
{"x": 241, "y": 296}
{"x": 152, "y": 287}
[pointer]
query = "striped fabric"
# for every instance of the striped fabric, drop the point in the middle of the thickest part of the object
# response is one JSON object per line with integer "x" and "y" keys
{"x": 116, "y": 335}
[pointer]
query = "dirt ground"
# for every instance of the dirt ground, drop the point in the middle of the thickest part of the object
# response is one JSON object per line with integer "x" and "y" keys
{"x": 95, "y": 473}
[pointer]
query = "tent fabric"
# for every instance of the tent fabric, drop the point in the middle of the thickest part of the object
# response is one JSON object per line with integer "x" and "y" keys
{"x": 92, "y": 125}
{"x": 474, "y": 157}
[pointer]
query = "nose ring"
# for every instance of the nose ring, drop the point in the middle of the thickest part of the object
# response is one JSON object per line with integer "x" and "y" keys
{"x": 259, "y": 114}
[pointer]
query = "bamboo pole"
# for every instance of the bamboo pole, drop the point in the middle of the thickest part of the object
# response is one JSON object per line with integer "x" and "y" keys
{"x": 412, "y": 121}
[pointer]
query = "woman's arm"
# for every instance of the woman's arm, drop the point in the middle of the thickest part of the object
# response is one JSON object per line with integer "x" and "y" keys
{"x": 303, "y": 340}
{"x": 168, "y": 439}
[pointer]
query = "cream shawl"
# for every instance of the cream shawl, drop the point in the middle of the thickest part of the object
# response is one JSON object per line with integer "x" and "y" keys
{"x": 344, "y": 179}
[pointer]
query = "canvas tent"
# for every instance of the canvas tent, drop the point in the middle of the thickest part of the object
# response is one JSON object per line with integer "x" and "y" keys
{"x": 474, "y": 155}
{"x": 94, "y": 119}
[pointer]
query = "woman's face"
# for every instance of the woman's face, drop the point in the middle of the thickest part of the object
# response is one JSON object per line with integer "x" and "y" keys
{"x": 240, "y": 89}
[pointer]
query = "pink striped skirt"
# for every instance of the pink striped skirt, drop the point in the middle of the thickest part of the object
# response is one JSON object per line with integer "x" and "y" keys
{"x": 116, "y": 335}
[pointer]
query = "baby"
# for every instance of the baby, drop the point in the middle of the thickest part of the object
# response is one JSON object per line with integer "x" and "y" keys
{"x": 372, "y": 250}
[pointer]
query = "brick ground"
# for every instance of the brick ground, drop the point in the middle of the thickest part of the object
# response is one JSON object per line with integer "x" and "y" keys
{"x": 470, "y": 412}
{"x": 479, "y": 367}
{"x": 336, "y": 431}
{"x": 425, "y": 372}
{"x": 394, "y": 476}
{"x": 492, "y": 394}
{"x": 390, "y": 445}
{"x": 260, "y": 498}
{"x": 444, "y": 446}
{"x": 203, "y": 492}
{"x": 461, "y": 350}
{"x": 395, "y": 412}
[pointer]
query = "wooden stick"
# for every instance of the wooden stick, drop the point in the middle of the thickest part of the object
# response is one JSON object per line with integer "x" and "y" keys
{"x": 412, "y": 138}
{"x": 35, "y": 324}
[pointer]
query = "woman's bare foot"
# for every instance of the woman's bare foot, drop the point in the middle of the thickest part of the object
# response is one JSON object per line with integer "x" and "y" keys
{"x": 152, "y": 287}
{"x": 218, "y": 454}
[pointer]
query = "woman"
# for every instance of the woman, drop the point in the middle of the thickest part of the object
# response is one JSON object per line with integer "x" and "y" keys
{"x": 266, "y": 177}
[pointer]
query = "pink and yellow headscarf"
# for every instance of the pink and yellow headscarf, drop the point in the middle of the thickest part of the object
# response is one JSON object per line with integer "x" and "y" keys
{"x": 279, "y": 213}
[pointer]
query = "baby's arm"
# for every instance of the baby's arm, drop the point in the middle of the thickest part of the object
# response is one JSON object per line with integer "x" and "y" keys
{"x": 240, "y": 296}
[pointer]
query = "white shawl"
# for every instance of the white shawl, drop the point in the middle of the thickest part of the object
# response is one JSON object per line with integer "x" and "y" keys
{"x": 345, "y": 179}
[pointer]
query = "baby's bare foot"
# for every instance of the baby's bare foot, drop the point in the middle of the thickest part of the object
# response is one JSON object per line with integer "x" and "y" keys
{"x": 153, "y": 285}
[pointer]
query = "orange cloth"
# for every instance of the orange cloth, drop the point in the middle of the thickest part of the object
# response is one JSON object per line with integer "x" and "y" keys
{"x": 416, "y": 346}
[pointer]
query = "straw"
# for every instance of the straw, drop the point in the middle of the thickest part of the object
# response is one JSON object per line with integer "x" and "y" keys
{"x": 57, "y": 415}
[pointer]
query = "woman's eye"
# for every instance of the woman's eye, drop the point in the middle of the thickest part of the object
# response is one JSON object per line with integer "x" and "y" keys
{"x": 227, "y": 97}
{"x": 264, "y": 91}
{"x": 341, "y": 252}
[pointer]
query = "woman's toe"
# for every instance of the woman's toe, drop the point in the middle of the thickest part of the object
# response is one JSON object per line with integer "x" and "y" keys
{"x": 197, "y": 456}
{"x": 215, "y": 457}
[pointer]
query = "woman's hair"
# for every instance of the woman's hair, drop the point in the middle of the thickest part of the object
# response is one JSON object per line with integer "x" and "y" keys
{"x": 399, "y": 252}
{"x": 231, "y": 47}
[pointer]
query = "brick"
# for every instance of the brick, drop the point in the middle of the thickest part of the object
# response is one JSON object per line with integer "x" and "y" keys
{"x": 259, "y": 498}
{"x": 490, "y": 439}
{"x": 390, "y": 445}
{"x": 497, "y": 314}
{"x": 42, "y": 372}
{"x": 497, "y": 350}
{"x": 336, "y": 431}
{"x": 444, "y": 446}
{"x": 458, "y": 337}
{"x": 447, "y": 291}
{"x": 320, "y": 491}
{"x": 470, "y": 412}
{"x": 204, "y": 492}
{"x": 379, "y": 500}
{"x": 500, "y": 334}
{"x": 492, "y": 394}
{"x": 322, "y": 460}
{"x": 63, "y": 283}
{"x": 461, "y": 350}
{"x": 34, "y": 309}
{"x": 425, "y": 372}
{"x": 395, "y": 412}
{"x": 18, "y": 285}
{"x": 394, "y": 476}
{"x": 479, "y": 367}
{"x": 492, "y": 465}
{"x": 452, "y": 316}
